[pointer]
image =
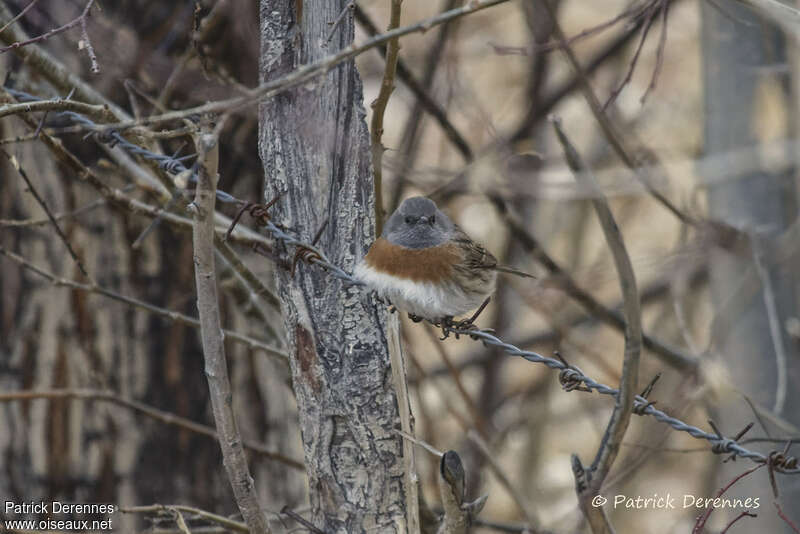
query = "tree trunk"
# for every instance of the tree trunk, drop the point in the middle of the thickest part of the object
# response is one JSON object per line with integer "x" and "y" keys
{"x": 315, "y": 149}
{"x": 747, "y": 283}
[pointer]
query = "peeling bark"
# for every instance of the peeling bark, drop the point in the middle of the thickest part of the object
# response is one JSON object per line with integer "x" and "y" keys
{"x": 315, "y": 149}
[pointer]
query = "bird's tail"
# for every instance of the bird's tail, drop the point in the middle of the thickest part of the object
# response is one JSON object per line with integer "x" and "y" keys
{"x": 511, "y": 270}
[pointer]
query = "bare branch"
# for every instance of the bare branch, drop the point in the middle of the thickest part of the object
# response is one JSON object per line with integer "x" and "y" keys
{"x": 701, "y": 520}
{"x": 211, "y": 332}
{"x": 420, "y": 90}
{"x": 786, "y": 520}
{"x": 169, "y": 508}
{"x": 737, "y": 518}
{"x": 99, "y": 111}
{"x": 399, "y": 376}
{"x": 379, "y": 108}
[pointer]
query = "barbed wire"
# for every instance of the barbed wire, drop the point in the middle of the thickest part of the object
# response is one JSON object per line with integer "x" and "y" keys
{"x": 570, "y": 376}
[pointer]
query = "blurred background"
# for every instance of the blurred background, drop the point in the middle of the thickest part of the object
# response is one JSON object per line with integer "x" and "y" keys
{"x": 705, "y": 96}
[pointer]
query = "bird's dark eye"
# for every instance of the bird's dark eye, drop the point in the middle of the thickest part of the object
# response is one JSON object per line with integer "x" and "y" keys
{"x": 432, "y": 220}
{"x": 409, "y": 220}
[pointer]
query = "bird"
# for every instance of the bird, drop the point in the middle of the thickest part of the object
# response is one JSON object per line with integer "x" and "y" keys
{"x": 425, "y": 265}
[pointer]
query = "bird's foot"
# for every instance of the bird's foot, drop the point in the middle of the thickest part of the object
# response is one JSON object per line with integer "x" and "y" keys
{"x": 448, "y": 325}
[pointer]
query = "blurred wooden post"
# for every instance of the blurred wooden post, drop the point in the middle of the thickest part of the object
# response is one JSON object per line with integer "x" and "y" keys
{"x": 741, "y": 83}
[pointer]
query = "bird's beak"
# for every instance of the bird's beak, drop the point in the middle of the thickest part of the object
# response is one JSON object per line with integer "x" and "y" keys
{"x": 424, "y": 220}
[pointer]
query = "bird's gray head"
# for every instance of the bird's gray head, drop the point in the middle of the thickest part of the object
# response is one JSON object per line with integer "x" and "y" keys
{"x": 418, "y": 223}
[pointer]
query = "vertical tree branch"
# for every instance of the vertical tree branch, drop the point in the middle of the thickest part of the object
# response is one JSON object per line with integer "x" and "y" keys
{"x": 399, "y": 376}
{"x": 211, "y": 332}
{"x": 378, "y": 109}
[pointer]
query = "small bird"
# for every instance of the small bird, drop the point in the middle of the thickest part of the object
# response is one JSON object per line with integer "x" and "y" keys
{"x": 425, "y": 265}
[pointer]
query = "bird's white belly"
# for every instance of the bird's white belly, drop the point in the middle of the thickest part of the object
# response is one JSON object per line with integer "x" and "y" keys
{"x": 424, "y": 299}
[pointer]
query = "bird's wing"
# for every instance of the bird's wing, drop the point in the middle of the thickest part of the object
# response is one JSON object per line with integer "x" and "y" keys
{"x": 475, "y": 256}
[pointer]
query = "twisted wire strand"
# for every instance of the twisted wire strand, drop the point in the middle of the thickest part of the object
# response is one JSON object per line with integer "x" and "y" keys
{"x": 174, "y": 165}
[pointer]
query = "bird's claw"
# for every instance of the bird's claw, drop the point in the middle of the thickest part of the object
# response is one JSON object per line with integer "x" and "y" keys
{"x": 448, "y": 326}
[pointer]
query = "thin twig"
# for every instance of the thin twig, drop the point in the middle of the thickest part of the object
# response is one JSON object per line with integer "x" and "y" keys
{"x": 422, "y": 88}
{"x": 632, "y": 14}
{"x": 700, "y": 523}
{"x": 378, "y": 110}
{"x": 18, "y": 16}
{"x": 786, "y": 519}
{"x": 347, "y": 10}
{"x": 119, "y": 199}
{"x": 662, "y": 44}
{"x": 650, "y": 18}
{"x": 746, "y": 513}
{"x": 85, "y": 42}
{"x": 300, "y": 519}
{"x": 43, "y": 204}
{"x": 57, "y": 104}
{"x": 245, "y": 277}
{"x": 424, "y": 444}
{"x": 203, "y": 514}
{"x": 71, "y": 24}
{"x": 162, "y": 416}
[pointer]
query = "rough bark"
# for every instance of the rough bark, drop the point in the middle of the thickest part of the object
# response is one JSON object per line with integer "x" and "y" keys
{"x": 315, "y": 149}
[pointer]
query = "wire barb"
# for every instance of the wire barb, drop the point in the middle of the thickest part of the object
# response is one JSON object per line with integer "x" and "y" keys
{"x": 570, "y": 377}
